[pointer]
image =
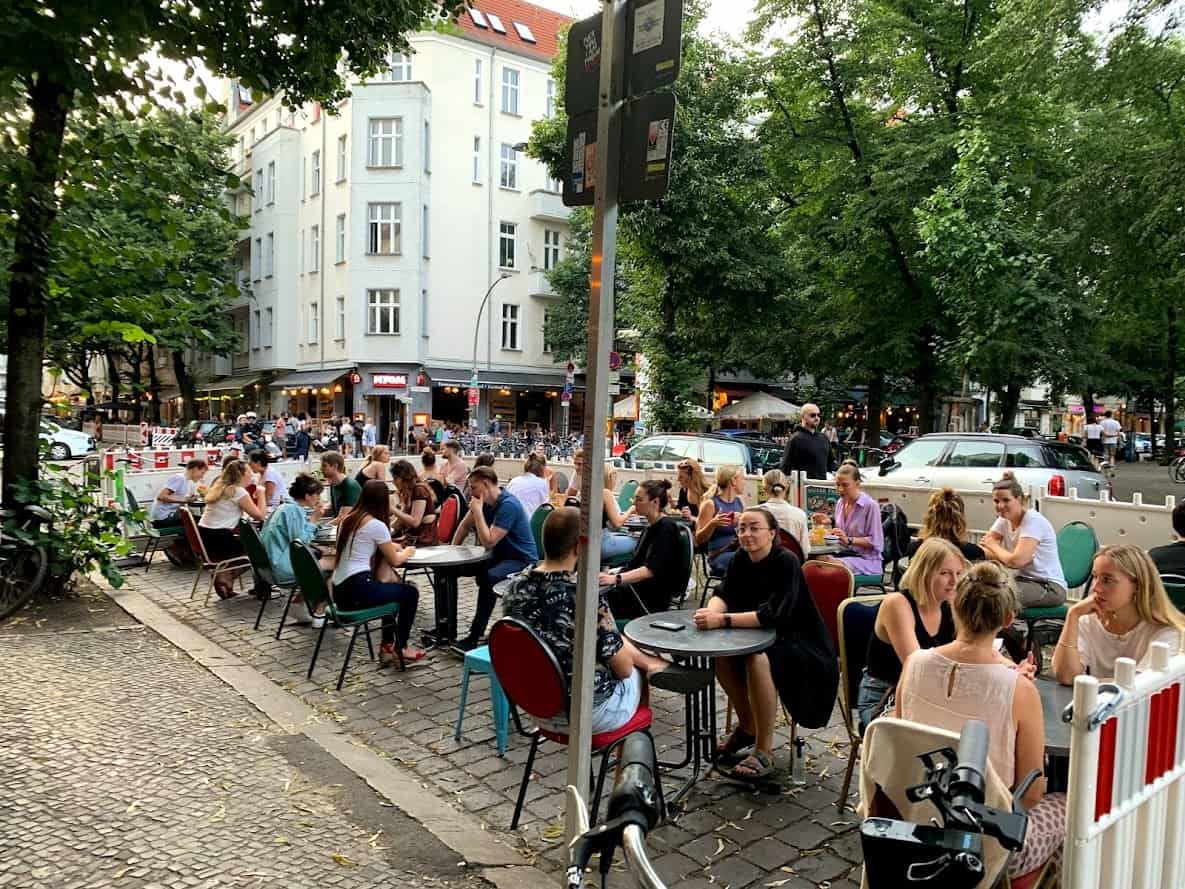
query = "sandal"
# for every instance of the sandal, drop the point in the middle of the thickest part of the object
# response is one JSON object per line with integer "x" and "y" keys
{"x": 734, "y": 743}
{"x": 757, "y": 766}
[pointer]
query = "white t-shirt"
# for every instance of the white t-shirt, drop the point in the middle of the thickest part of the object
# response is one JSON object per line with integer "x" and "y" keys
{"x": 792, "y": 519}
{"x": 531, "y": 491}
{"x": 1099, "y": 649}
{"x": 224, "y": 513}
{"x": 181, "y": 487}
{"x": 360, "y": 550}
{"x": 1093, "y": 431}
{"x": 1045, "y": 565}
{"x": 1111, "y": 430}
{"x": 278, "y": 495}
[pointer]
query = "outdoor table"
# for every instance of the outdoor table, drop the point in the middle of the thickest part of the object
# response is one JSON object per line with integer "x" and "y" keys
{"x": 696, "y": 648}
{"x": 1054, "y": 698}
{"x": 825, "y": 549}
{"x": 443, "y": 562}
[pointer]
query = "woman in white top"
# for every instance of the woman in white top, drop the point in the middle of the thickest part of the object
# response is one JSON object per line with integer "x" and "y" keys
{"x": 1127, "y": 610}
{"x": 790, "y": 518}
{"x": 1023, "y": 540}
{"x": 365, "y": 573}
{"x": 269, "y": 479}
{"x": 531, "y": 489}
{"x": 968, "y": 679}
{"x": 227, "y": 502}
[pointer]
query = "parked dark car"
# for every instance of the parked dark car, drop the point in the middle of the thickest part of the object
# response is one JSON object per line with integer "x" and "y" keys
{"x": 198, "y": 433}
{"x": 710, "y": 449}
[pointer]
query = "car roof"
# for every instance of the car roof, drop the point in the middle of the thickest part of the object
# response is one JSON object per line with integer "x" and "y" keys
{"x": 972, "y": 436}
{"x": 715, "y": 436}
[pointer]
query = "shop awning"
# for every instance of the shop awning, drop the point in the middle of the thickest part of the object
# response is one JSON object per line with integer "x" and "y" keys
{"x": 229, "y": 384}
{"x": 309, "y": 378}
{"x": 489, "y": 379}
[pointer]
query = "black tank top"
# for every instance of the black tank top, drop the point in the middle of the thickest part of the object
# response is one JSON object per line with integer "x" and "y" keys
{"x": 882, "y": 660}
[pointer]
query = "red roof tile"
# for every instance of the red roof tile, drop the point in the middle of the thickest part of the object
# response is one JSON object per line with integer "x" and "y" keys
{"x": 545, "y": 25}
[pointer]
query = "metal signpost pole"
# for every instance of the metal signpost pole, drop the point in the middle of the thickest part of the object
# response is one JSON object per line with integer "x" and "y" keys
{"x": 600, "y": 341}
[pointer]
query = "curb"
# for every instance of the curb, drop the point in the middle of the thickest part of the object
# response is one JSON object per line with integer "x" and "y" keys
{"x": 496, "y": 862}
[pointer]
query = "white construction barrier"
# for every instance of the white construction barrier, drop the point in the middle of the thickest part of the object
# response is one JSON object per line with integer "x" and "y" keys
{"x": 1125, "y": 810}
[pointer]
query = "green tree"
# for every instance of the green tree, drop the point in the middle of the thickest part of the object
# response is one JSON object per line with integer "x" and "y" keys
{"x": 58, "y": 57}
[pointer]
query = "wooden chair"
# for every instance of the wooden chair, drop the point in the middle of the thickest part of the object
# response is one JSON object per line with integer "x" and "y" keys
{"x": 857, "y": 622}
{"x": 205, "y": 563}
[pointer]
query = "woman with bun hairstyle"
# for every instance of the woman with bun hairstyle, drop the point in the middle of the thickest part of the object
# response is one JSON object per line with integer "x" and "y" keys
{"x": 375, "y": 466}
{"x": 857, "y": 523}
{"x": 967, "y": 679}
{"x": 1127, "y": 610}
{"x": 790, "y": 518}
{"x": 946, "y": 519}
{"x": 647, "y": 583}
{"x": 1022, "y": 539}
{"x": 296, "y": 519}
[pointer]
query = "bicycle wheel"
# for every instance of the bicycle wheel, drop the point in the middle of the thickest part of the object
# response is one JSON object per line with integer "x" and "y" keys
{"x": 1177, "y": 470}
{"x": 22, "y": 571}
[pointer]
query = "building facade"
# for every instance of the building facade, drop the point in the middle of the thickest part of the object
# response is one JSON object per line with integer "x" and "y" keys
{"x": 377, "y": 229}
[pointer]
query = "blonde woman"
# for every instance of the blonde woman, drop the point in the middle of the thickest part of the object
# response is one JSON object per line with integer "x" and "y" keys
{"x": 715, "y": 528}
{"x": 946, "y": 519}
{"x": 692, "y": 488}
{"x": 227, "y": 501}
{"x": 615, "y": 544}
{"x": 1022, "y": 539}
{"x": 790, "y": 518}
{"x": 375, "y": 466}
{"x": 1127, "y": 610}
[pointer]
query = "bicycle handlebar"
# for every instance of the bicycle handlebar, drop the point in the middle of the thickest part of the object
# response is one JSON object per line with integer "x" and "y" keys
{"x": 633, "y": 844}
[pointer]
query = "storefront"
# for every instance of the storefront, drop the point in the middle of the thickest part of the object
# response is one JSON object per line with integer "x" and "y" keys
{"x": 391, "y": 394}
{"x": 225, "y": 399}
{"x": 516, "y": 400}
{"x": 320, "y": 394}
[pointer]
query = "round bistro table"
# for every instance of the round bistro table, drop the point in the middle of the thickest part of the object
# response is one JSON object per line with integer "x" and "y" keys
{"x": 1054, "y": 698}
{"x": 442, "y": 563}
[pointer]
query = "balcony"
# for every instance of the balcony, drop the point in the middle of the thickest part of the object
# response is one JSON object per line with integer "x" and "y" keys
{"x": 548, "y": 206}
{"x": 538, "y": 285}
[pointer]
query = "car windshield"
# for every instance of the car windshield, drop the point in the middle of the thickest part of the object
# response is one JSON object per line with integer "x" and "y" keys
{"x": 923, "y": 452}
{"x": 1072, "y": 458}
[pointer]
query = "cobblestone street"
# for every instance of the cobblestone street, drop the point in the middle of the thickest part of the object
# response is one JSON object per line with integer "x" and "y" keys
{"x": 126, "y": 764}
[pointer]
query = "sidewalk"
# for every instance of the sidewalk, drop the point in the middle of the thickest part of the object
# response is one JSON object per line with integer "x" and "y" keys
{"x": 127, "y": 764}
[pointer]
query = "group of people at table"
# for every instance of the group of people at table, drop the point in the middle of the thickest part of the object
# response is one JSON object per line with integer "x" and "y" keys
{"x": 935, "y": 656}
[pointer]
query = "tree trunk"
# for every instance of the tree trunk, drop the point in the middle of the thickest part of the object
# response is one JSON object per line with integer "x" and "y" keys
{"x": 926, "y": 379}
{"x": 154, "y": 414}
{"x": 37, "y": 206}
{"x": 1009, "y": 402}
{"x": 1087, "y": 408}
{"x": 876, "y": 403}
{"x": 1170, "y": 393}
{"x": 135, "y": 357}
{"x": 710, "y": 398}
{"x": 186, "y": 386}
{"x": 115, "y": 381}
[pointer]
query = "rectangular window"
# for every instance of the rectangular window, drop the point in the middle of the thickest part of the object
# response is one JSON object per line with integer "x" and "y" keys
{"x": 424, "y": 222}
{"x": 255, "y": 325}
{"x": 509, "y": 91}
{"x": 271, "y": 182}
{"x": 302, "y": 251}
{"x": 424, "y": 313}
{"x": 507, "y": 237}
{"x": 478, "y": 92}
{"x": 315, "y": 248}
{"x": 385, "y": 148}
{"x": 398, "y": 68}
{"x": 269, "y": 255}
{"x": 384, "y": 227}
{"x": 555, "y": 186}
{"x": 477, "y": 159}
{"x": 546, "y": 340}
{"x": 256, "y": 259}
{"x": 551, "y": 249}
{"x": 343, "y": 159}
{"x": 315, "y": 174}
{"x": 427, "y": 147}
{"x": 509, "y": 326}
{"x": 508, "y": 178}
{"x": 341, "y": 317}
{"x": 304, "y": 185}
{"x": 340, "y": 250}
{"x": 382, "y": 311}
{"x": 495, "y": 23}
{"x": 314, "y": 324}
{"x": 269, "y": 327}
{"x": 258, "y": 190}
{"x": 549, "y": 111}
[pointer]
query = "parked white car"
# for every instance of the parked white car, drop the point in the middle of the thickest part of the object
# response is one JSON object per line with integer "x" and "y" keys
{"x": 66, "y": 443}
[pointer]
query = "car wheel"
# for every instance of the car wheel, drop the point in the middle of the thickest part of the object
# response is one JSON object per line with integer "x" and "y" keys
{"x": 59, "y": 451}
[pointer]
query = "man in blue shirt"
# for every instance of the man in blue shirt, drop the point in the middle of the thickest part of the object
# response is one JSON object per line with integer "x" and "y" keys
{"x": 501, "y": 525}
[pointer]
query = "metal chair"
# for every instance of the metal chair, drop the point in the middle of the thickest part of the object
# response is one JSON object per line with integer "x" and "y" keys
{"x": 857, "y": 623}
{"x": 537, "y": 520}
{"x": 625, "y": 499}
{"x": 205, "y": 563}
{"x": 1076, "y": 547}
{"x": 1174, "y": 585}
{"x": 265, "y": 575}
{"x": 144, "y": 530}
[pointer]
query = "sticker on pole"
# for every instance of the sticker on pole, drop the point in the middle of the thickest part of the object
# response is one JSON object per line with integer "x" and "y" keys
{"x": 578, "y": 164}
{"x": 656, "y": 145}
{"x": 648, "y": 25}
{"x": 580, "y": 176}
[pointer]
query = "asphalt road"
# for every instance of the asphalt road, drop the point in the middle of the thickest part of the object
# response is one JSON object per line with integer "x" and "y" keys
{"x": 1149, "y": 479}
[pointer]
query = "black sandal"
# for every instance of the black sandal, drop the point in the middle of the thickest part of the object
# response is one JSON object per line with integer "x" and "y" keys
{"x": 732, "y": 746}
{"x": 757, "y": 765}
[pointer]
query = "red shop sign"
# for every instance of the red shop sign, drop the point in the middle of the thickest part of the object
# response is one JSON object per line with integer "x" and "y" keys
{"x": 389, "y": 381}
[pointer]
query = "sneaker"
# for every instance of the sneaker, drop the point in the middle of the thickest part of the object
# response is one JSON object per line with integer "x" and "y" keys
{"x": 464, "y": 646}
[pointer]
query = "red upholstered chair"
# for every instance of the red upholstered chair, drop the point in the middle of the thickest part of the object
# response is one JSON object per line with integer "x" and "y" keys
{"x": 790, "y": 542}
{"x": 446, "y": 521}
{"x": 531, "y": 677}
{"x": 829, "y": 584}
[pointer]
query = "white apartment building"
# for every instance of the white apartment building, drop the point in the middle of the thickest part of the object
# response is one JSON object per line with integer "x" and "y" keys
{"x": 377, "y": 229}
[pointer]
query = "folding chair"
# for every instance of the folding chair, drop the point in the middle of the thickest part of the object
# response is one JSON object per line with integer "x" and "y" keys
{"x": 625, "y": 498}
{"x": 790, "y": 542}
{"x": 144, "y": 530}
{"x": 205, "y": 563}
{"x": 857, "y": 623}
{"x": 265, "y": 575}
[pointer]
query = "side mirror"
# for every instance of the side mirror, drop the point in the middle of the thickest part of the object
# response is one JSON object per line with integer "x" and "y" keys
{"x": 887, "y": 464}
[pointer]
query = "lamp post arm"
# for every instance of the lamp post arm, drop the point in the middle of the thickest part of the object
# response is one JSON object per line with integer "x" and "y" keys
{"x": 477, "y": 322}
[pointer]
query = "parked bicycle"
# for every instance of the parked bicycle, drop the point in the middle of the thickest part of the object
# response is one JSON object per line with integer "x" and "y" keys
{"x": 23, "y": 558}
{"x": 1177, "y": 469}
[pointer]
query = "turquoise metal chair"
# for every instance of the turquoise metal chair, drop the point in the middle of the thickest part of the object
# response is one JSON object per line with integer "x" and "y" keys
{"x": 478, "y": 661}
{"x": 537, "y": 520}
{"x": 1174, "y": 585}
{"x": 1076, "y": 547}
{"x": 625, "y": 499}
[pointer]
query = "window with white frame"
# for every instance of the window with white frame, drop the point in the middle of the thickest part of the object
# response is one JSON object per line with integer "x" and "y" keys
{"x": 384, "y": 228}
{"x": 382, "y": 311}
{"x": 315, "y": 248}
{"x": 340, "y": 239}
{"x": 478, "y": 92}
{"x": 256, "y": 259}
{"x": 302, "y": 251}
{"x": 509, "y": 90}
{"x": 341, "y": 317}
{"x": 508, "y": 177}
{"x": 549, "y": 111}
{"x": 509, "y": 326}
{"x": 271, "y": 182}
{"x": 477, "y": 160}
{"x": 269, "y": 255}
{"x": 385, "y": 146}
{"x": 304, "y": 184}
{"x": 556, "y": 186}
{"x": 507, "y": 244}
{"x": 551, "y": 248}
{"x": 546, "y": 338}
{"x": 343, "y": 159}
{"x": 398, "y": 68}
{"x": 258, "y": 190}
{"x": 314, "y": 324}
{"x": 255, "y": 325}
{"x": 269, "y": 327}
{"x": 424, "y": 313}
{"x": 315, "y": 174}
{"x": 425, "y": 224}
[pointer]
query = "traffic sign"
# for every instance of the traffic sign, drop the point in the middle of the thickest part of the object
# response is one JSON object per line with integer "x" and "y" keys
{"x": 474, "y": 397}
{"x": 647, "y": 142}
{"x": 655, "y": 43}
{"x": 581, "y": 160}
{"x": 582, "y": 76}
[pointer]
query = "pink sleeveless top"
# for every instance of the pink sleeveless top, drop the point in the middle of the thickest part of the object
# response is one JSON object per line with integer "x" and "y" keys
{"x": 978, "y": 691}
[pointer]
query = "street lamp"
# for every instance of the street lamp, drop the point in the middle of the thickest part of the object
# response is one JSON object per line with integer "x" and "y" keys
{"x": 476, "y": 330}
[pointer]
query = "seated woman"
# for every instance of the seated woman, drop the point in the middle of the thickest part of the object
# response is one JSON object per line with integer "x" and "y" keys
{"x": 375, "y": 466}
{"x": 545, "y": 599}
{"x": 917, "y": 617}
{"x": 965, "y": 679}
{"x": 296, "y": 519}
{"x": 857, "y": 523}
{"x": 946, "y": 519}
{"x": 430, "y": 475}
{"x": 180, "y": 489}
{"x": 365, "y": 573}
{"x": 414, "y": 512}
{"x": 765, "y": 587}
{"x": 1023, "y": 540}
{"x": 1127, "y": 610}
{"x": 266, "y": 477}
{"x": 692, "y": 488}
{"x": 227, "y": 502}
{"x": 647, "y": 584}
{"x": 614, "y": 543}
{"x": 790, "y": 518}
{"x": 715, "y": 527}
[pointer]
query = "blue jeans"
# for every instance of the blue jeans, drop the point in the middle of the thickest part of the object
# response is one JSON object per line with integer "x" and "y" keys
{"x": 615, "y": 544}
{"x": 487, "y": 577}
{"x": 871, "y": 699}
{"x": 363, "y": 591}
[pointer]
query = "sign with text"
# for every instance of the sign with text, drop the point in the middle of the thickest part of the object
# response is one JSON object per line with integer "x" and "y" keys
{"x": 580, "y": 160}
{"x": 647, "y": 141}
{"x": 389, "y": 381}
{"x": 654, "y": 45}
{"x": 582, "y": 76}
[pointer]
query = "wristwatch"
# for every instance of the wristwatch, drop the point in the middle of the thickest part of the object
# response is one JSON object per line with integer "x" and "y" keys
{"x": 617, "y": 579}
{"x": 727, "y": 621}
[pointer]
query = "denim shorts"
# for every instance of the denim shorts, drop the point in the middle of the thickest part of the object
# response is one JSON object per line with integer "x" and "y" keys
{"x": 612, "y": 713}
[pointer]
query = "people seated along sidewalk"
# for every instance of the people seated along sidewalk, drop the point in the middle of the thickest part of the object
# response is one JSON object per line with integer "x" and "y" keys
{"x": 857, "y": 524}
{"x": 343, "y": 490}
{"x": 1170, "y": 558}
{"x": 227, "y": 502}
{"x": 165, "y": 514}
{"x": 531, "y": 489}
{"x": 544, "y": 598}
{"x": 615, "y": 543}
{"x": 271, "y": 481}
{"x": 296, "y": 519}
{"x": 1126, "y": 610}
{"x": 715, "y": 528}
{"x": 415, "y": 511}
{"x": 647, "y": 584}
{"x": 790, "y": 518}
{"x": 946, "y": 519}
{"x": 501, "y": 526}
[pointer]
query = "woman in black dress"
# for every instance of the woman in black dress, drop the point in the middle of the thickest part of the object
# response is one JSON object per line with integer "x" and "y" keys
{"x": 765, "y": 587}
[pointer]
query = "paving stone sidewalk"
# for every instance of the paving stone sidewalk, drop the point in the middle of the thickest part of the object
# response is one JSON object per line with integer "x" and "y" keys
{"x": 791, "y": 835}
{"x": 126, "y": 764}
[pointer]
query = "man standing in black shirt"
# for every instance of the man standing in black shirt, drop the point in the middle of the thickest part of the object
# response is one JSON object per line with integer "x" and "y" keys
{"x": 808, "y": 450}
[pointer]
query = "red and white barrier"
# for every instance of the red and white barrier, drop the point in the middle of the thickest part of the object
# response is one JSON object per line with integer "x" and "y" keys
{"x": 1125, "y": 812}
{"x": 163, "y": 458}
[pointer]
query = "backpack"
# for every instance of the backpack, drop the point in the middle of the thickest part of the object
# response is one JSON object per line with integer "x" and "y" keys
{"x": 895, "y": 528}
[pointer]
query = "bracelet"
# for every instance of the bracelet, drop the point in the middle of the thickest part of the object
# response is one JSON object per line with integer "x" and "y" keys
{"x": 727, "y": 621}
{"x": 1066, "y": 645}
